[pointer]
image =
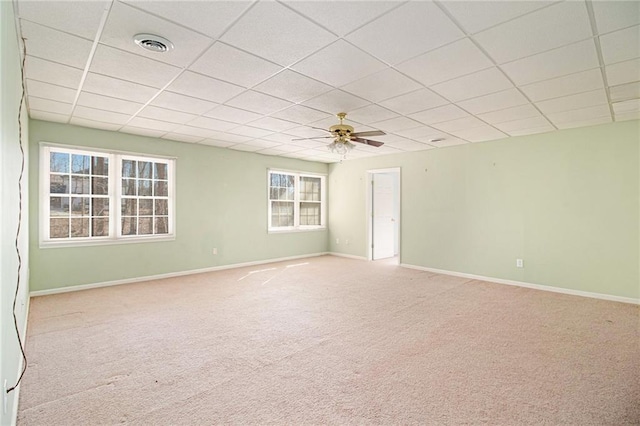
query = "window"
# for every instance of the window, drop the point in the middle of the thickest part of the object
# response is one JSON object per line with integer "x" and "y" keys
{"x": 97, "y": 197}
{"x": 296, "y": 201}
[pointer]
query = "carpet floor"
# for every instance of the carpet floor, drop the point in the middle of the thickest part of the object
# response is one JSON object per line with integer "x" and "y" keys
{"x": 329, "y": 340}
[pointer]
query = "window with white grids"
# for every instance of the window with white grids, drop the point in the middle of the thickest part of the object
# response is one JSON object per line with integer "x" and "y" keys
{"x": 93, "y": 197}
{"x": 296, "y": 201}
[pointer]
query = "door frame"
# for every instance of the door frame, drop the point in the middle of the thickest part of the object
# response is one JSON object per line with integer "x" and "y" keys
{"x": 369, "y": 209}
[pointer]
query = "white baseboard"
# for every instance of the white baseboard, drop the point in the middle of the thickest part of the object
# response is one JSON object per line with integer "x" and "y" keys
{"x": 168, "y": 275}
{"x": 350, "y": 256}
{"x": 23, "y": 337}
{"x": 527, "y": 285}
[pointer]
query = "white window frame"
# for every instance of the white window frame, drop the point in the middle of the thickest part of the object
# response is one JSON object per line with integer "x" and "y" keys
{"x": 115, "y": 197}
{"x": 296, "y": 202}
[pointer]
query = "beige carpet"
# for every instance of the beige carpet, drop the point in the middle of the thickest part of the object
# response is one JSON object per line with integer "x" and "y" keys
{"x": 329, "y": 340}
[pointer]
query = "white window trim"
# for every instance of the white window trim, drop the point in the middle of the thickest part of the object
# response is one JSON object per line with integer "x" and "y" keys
{"x": 296, "y": 203}
{"x": 115, "y": 190}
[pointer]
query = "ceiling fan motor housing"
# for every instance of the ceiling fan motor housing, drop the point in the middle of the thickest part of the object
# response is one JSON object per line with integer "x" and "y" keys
{"x": 341, "y": 130}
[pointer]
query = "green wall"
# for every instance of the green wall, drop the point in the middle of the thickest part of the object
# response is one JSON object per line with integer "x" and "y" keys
{"x": 10, "y": 162}
{"x": 567, "y": 202}
{"x": 220, "y": 202}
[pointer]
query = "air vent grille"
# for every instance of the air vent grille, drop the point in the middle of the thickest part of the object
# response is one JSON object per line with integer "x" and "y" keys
{"x": 153, "y": 43}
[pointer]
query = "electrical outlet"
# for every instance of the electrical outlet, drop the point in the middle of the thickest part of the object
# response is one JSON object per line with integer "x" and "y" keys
{"x": 519, "y": 263}
{"x": 346, "y": 242}
{"x": 5, "y": 397}
{"x": 215, "y": 251}
{"x": 337, "y": 240}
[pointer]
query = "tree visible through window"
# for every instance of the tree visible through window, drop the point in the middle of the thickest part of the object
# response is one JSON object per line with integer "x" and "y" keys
{"x": 296, "y": 201}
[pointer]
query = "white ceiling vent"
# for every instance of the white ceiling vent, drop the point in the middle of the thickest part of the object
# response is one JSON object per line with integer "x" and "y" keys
{"x": 153, "y": 43}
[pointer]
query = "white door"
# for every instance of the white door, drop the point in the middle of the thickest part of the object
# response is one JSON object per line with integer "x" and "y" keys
{"x": 383, "y": 212}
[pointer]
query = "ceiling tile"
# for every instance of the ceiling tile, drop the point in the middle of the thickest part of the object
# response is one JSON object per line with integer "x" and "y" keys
{"x": 177, "y": 102}
{"x": 625, "y": 91}
{"x": 580, "y": 115}
{"x": 304, "y": 132}
{"x": 382, "y": 85}
{"x": 371, "y": 114}
{"x": 459, "y": 124}
{"x": 407, "y": 31}
{"x": 252, "y": 132}
{"x": 48, "y": 105}
{"x": 628, "y": 116}
{"x": 632, "y": 105}
{"x": 212, "y": 124}
{"x": 563, "y": 86}
{"x": 509, "y": 114}
{"x": 480, "y": 134}
{"x": 615, "y": 15}
{"x": 565, "y": 60}
{"x": 495, "y": 101}
{"x": 292, "y": 86}
{"x": 393, "y": 124}
{"x": 262, "y": 143}
{"x": 415, "y": 101}
{"x": 235, "y": 115}
{"x": 245, "y": 147}
{"x": 566, "y": 103}
{"x": 584, "y": 123}
{"x": 168, "y": 115}
{"x": 128, "y": 66}
{"x": 449, "y": 141}
{"x": 210, "y": 18}
{"x": 283, "y": 138}
{"x": 273, "y": 124}
{"x": 55, "y": 14}
{"x": 518, "y": 126}
{"x": 235, "y": 66}
{"x": 207, "y": 88}
{"x": 545, "y": 29}
{"x": 94, "y": 124}
{"x": 351, "y": 14}
{"x": 103, "y": 85}
{"x": 476, "y": 16}
{"x": 50, "y": 91}
{"x": 336, "y": 101}
{"x": 621, "y": 45}
{"x": 125, "y": 22}
{"x": 289, "y": 148}
{"x": 227, "y": 138}
{"x": 48, "y": 116}
{"x": 269, "y": 30}
{"x": 440, "y": 114}
{"x": 100, "y": 115}
{"x": 543, "y": 129}
{"x": 421, "y": 133}
{"x": 108, "y": 103}
{"x": 623, "y": 72}
{"x": 50, "y": 72}
{"x": 147, "y": 123}
{"x": 179, "y": 137}
{"x": 258, "y": 102}
{"x": 45, "y": 43}
{"x": 271, "y": 151}
{"x": 481, "y": 83}
{"x": 353, "y": 64}
{"x": 301, "y": 114}
{"x": 142, "y": 132}
{"x": 192, "y": 131}
{"x": 445, "y": 63}
{"x": 215, "y": 142}
{"x": 409, "y": 145}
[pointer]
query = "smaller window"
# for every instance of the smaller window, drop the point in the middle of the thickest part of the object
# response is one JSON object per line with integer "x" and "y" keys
{"x": 296, "y": 201}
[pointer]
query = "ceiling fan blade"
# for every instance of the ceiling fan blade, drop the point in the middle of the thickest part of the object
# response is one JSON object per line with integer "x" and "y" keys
{"x": 370, "y": 133}
{"x": 319, "y": 128}
{"x": 317, "y": 137}
{"x": 367, "y": 142}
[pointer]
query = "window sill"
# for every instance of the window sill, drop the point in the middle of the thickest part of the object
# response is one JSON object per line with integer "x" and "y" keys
{"x": 295, "y": 230}
{"x": 104, "y": 242}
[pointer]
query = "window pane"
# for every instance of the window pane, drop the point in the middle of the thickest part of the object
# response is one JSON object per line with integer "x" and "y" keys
{"x": 128, "y": 187}
{"x": 59, "y": 162}
{"x": 161, "y": 207}
{"x": 161, "y": 189}
{"x": 59, "y": 206}
{"x": 129, "y": 207}
{"x": 128, "y": 168}
{"x": 144, "y": 226}
{"x": 310, "y": 188}
{"x": 100, "y": 166}
{"x": 145, "y": 207}
{"x": 144, "y": 188}
{"x": 80, "y": 206}
{"x": 79, "y": 185}
{"x": 144, "y": 169}
{"x": 281, "y": 213}
{"x": 100, "y": 227}
{"x": 310, "y": 214}
{"x": 100, "y": 207}
{"x": 80, "y": 165}
{"x": 129, "y": 226}
{"x": 160, "y": 171}
{"x": 59, "y": 228}
{"x": 161, "y": 225}
{"x": 79, "y": 227}
{"x": 59, "y": 184}
{"x": 100, "y": 185}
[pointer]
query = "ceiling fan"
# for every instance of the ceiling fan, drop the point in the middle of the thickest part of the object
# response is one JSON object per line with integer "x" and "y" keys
{"x": 343, "y": 135}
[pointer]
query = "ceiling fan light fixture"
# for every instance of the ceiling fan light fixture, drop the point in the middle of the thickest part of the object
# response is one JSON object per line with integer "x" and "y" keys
{"x": 340, "y": 147}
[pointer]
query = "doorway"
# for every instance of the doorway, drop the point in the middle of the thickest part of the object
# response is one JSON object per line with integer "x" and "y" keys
{"x": 383, "y": 201}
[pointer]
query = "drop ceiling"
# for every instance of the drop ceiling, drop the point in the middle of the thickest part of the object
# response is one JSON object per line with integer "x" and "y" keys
{"x": 252, "y": 76}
